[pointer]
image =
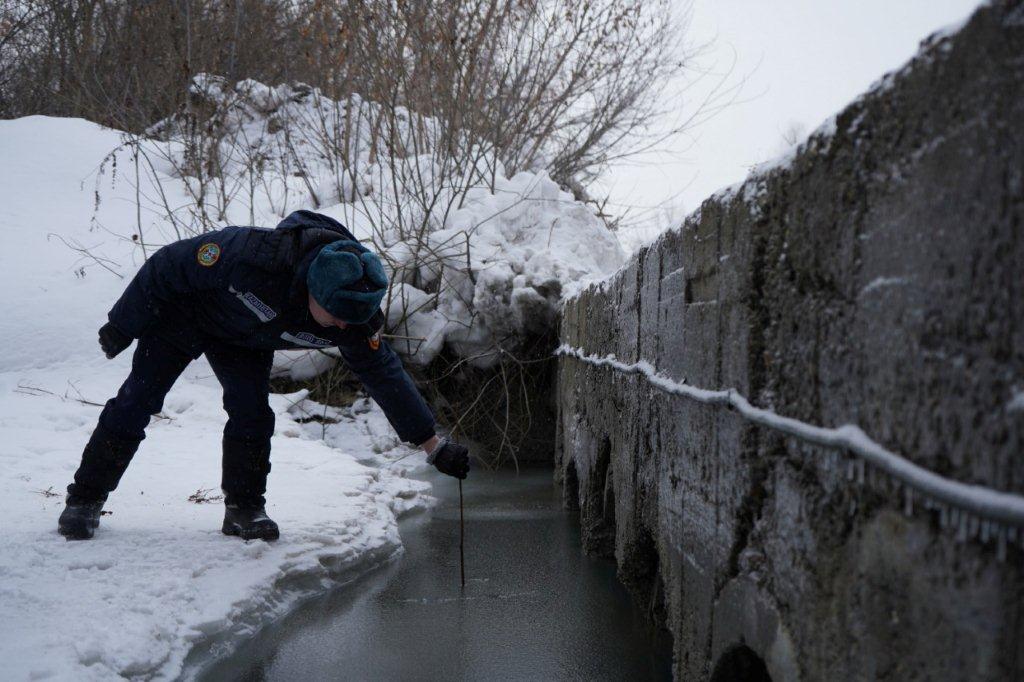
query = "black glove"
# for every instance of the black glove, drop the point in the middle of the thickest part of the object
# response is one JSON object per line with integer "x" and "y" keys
{"x": 113, "y": 340}
{"x": 450, "y": 458}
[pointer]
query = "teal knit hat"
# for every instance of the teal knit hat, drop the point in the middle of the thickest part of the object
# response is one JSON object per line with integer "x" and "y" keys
{"x": 348, "y": 281}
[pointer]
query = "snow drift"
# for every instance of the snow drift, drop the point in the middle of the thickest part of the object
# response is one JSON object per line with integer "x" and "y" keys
{"x": 159, "y": 577}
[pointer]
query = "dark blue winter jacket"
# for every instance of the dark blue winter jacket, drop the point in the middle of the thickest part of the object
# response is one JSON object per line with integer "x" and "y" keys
{"x": 246, "y": 286}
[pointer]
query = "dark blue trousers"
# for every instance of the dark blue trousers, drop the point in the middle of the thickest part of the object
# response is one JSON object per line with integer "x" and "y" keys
{"x": 244, "y": 374}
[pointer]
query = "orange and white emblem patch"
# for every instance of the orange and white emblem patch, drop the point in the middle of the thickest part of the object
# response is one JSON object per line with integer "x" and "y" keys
{"x": 374, "y": 341}
{"x": 208, "y": 254}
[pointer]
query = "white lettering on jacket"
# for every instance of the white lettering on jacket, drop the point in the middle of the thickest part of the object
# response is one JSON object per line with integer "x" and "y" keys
{"x": 253, "y": 303}
{"x": 306, "y": 339}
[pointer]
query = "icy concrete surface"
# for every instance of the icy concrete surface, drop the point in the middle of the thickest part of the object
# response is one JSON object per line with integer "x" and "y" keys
{"x": 873, "y": 278}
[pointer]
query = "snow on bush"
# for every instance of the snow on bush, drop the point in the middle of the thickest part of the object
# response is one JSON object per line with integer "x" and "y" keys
{"x": 529, "y": 245}
{"x": 479, "y": 261}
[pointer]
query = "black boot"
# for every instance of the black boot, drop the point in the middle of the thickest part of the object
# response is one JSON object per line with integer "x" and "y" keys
{"x": 245, "y": 467}
{"x": 249, "y": 523}
{"x": 80, "y": 517}
{"x": 104, "y": 461}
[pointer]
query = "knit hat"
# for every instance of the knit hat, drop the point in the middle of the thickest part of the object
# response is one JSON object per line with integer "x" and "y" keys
{"x": 348, "y": 281}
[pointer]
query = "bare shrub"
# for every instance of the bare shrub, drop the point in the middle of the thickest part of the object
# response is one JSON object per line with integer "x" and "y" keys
{"x": 555, "y": 84}
{"x": 411, "y": 108}
{"x": 126, "y": 64}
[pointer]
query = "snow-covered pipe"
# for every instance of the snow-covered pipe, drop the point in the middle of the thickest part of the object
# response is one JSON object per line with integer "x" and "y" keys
{"x": 1003, "y": 508}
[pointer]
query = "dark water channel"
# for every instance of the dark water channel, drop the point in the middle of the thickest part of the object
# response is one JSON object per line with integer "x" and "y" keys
{"x": 534, "y": 607}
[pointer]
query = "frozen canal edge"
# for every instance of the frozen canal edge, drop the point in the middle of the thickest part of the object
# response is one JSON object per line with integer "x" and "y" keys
{"x": 284, "y": 597}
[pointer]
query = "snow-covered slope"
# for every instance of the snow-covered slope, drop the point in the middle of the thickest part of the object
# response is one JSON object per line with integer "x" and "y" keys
{"x": 159, "y": 576}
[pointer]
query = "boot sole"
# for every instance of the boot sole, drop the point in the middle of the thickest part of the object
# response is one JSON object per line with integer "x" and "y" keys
{"x": 266, "y": 534}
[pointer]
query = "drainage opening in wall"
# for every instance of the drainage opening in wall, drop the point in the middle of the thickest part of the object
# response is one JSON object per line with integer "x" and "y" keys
{"x": 640, "y": 571}
{"x": 740, "y": 664}
{"x": 571, "y": 488}
{"x": 598, "y": 504}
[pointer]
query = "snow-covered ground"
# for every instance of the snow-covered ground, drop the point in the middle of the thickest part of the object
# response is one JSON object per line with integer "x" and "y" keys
{"x": 159, "y": 576}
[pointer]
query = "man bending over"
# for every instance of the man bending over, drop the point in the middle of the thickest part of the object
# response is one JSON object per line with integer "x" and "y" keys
{"x": 236, "y": 295}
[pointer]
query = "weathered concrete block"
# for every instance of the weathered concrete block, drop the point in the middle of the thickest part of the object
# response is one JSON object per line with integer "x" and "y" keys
{"x": 875, "y": 279}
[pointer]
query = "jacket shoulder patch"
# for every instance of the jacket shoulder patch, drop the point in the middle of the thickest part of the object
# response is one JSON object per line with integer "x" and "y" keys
{"x": 208, "y": 254}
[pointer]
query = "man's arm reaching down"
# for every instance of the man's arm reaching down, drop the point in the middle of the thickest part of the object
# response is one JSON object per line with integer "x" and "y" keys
{"x": 387, "y": 382}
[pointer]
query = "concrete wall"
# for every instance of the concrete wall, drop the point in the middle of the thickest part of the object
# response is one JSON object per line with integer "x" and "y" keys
{"x": 877, "y": 279}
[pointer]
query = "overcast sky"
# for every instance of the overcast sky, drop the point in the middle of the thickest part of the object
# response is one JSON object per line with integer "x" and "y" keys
{"x": 800, "y": 60}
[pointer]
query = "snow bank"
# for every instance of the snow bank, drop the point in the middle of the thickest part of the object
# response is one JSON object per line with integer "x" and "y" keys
{"x": 530, "y": 245}
{"x": 159, "y": 577}
{"x": 478, "y": 260}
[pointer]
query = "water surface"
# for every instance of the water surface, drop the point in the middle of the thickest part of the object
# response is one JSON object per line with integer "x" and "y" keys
{"x": 534, "y": 607}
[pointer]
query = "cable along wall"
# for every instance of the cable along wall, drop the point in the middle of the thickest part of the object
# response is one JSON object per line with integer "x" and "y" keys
{"x": 973, "y": 512}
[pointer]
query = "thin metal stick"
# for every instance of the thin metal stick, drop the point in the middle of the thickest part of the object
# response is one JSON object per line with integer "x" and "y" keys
{"x": 462, "y": 539}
